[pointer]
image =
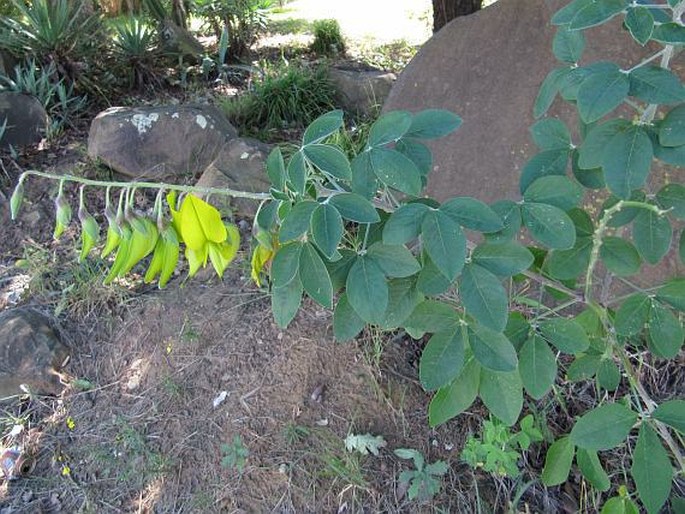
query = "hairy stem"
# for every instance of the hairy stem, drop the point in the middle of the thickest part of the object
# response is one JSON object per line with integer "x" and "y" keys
{"x": 150, "y": 185}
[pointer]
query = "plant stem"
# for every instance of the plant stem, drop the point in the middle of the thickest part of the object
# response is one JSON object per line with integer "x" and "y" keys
{"x": 599, "y": 234}
{"x": 150, "y": 185}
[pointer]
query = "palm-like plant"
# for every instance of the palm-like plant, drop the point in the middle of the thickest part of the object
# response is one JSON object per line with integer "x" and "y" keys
{"x": 135, "y": 45}
{"x": 52, "y": 31}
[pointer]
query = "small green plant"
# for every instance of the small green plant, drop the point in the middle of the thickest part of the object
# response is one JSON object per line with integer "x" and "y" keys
{"x": 294, "y": 433}
{"x": 425, "y": 481}
{"x": 235, "y": 454}
{"x": 135, "y": 46}
{"x": 365, "y": 443}
{"x": 288, "y": 97}
{"x": 57, "y": 97}
{"x": 497, "y": 451}
{"x": 52, "y": 32}
{"x": 328, "y": 39}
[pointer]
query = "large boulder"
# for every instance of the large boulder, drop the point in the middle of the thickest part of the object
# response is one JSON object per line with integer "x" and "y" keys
{"x": 31, "y": 353}
{"x": 25, "y": 118}
{"x": 361, "y": 91}
{"x": 240, "y": 165}
{"x": 487, "y": 67}
{"x": 170, "y": 143}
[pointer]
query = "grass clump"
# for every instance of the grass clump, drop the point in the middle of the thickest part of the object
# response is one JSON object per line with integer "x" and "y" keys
{"x": 328, "y": 39}
{"x": 284, "y": 98}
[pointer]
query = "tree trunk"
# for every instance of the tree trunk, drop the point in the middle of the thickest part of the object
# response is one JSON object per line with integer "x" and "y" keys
{"x": 445, "y": 11}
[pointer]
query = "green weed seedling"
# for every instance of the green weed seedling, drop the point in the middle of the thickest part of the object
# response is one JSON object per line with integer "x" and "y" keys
{"x": 424, "y": 481}
{"x": 498, "y": 449}
{"x": 234, "y": 455}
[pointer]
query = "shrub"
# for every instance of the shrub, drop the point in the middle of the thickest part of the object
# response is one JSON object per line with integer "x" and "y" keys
{"x": 357, "y": 237}
{"x": 328, "y": 39}
{"x": 135, "y": 50}
{"x": 52, "y": 32}
{"x": 244, "y": 20}
{"x": 289, "y": 97}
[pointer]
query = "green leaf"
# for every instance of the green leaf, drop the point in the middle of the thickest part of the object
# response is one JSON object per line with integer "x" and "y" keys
{"x": 548, "y": 162}
{"x": 418, "y": 153}
{"x": 669, "y": 34}
{"x": 367, "y": 289}
{"x": 433, "y": 123}
{"x": 354, "y": 207}
{"x": 286, "y": 264}
{"x": 568, "y": 264}
{"x": 395, "y": 260}
{"x": 297, "y": 221}
{"x": 200, "y": 223}
{"x": 389, "y": 128}
{"x": 672, "y": 413}
{"x": 502, "y": 394}
{"x": 604, "y": 427}
{"x": 314, "y": 276}
{"x": 672, "y": 128}
{"x": 484, "y": 297}
{"x": 285, "y": 302}
{"x": 672, "y": 196}
{"x": 632, "y": 315}
{"x": 396, "y": 171}
{"x": 627, "y": 160}
{"x": 626, "y": 214}
{"x": 346, "y": 323}
{"x": 651, "y": 470}
{"x": 297, "y": 173}
{"x": 549, "y": 225}
{"x": 652, "y": 235}
{"x": 504, "y": 260}
{"x": 275, "y": 169}
{"x": 433, "y": 316}
{"x": 510, "y": 214}
{"x": 442, "y": 359}
{"x": 583, "y": 222}
{"x": 608, "y": 375}
{"x": 558, "y": 191}
{"x": 665, "y": 332}
{"x": 472, "y": 214}
{"x": 456, "y": 397}
{"x": 431, "y": 282}
{"x": 675, "y": 156}
{"x": 322, "y": 127}
{"x": 548, "y": 91}
{"x": 597, "y": 13}
{"x": 558, "y": 462}
{"x": 551, "y": 134}
{"x": 592, "y": 469}
{"x": 566, "y": 334}
{"x": 403, "y": 297}
{"x": 538, "y": 367}
{"x": 445, "y": 243}
{"x": 583, "y": 368}
{"x": 568, "y": 45}
{"x": 364, "y": 181}
{"x": 673, "y": 293}
{"x": 640, "y": 23}
{"x": 619, "y": 505}
{"x": 620, "y": 256}
{"x": 517, "y": 329}
{"x": 327, "y": 229}
{"x": 596, "y": 141}
{"x": 656, "y": 85}
{"x": 492, "y": 349}
{"x": 601, "y": 93}
{"x": 681, "y": 247}
{"x": 404, "y": 224}
{"x": 329, "y": 159}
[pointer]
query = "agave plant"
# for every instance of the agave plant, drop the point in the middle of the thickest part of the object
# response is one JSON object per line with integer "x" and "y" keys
{"x": 51, "y": 31}
{"x": 135, "y": 46}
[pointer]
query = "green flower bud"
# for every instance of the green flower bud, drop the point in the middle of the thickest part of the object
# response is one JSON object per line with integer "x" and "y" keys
{"x": 16, "y": 199}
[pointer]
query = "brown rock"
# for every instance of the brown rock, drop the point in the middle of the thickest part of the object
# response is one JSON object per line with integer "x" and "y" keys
{"x": 240, "y": 165}
{"x": 30, "y": 353}
{"x": 25, "y": 117}
{"x": 170, "y": 143}
{"x": 361, "y": 91}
